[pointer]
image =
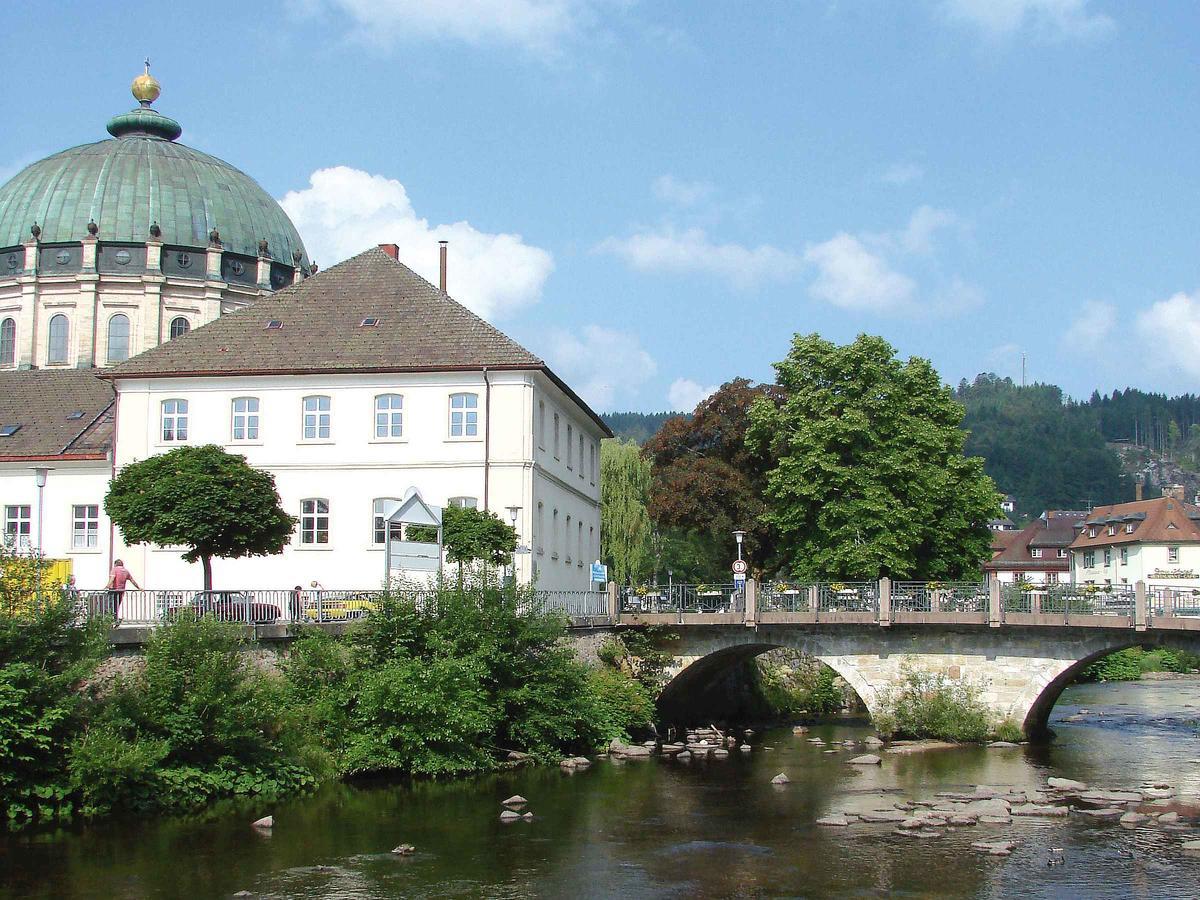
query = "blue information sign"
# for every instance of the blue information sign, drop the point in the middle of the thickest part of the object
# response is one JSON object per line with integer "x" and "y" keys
{"x": 599, "y": 572}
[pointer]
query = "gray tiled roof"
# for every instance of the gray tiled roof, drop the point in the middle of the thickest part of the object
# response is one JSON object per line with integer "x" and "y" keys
{"x": 40, "y": 401}
{"x": 420, "y": 329}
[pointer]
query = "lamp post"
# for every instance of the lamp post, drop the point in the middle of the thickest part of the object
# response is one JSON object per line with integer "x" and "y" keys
{"x": 514, "y": 513}
{"x": 739, "y": 536}
{"x": 40, "y": 476}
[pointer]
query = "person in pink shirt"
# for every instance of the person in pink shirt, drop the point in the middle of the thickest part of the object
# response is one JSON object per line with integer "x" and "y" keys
{"x": 117, "y": 580}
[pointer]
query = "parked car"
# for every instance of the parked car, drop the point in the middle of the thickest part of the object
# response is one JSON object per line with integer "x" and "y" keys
{"x": 338, "y": 609}
{"x": 229, "y": 606}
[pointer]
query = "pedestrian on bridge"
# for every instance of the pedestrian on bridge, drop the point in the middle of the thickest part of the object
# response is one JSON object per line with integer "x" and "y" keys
{"x": 117, "y": 580}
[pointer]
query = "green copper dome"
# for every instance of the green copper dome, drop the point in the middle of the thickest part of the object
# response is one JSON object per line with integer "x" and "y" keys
{"x": 137, "y": 179}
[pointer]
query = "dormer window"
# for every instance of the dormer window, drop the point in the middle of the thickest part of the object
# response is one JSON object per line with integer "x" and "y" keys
{"x": 1091, "y": 531}
{"x": 1129, "y": 528}
{"x": 1112, "y": 529}
{"x": 1062, "y": 553}
{"x": 1036, "y": 552}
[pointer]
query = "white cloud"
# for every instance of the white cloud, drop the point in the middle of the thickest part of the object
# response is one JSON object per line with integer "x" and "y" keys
{"x": 923, "y": 225}
{"x": 538, "y": 25}
{"x": 1172, "y": 328}
{"x": 1091, "y": 327}
{"x": 604, "y": 365}
{"x": 691, "y": 250}
{"x": 902, "y": 173}
{"x": 685, "y": 395}
{"x": 852, "y": 277}
{"x": 1046, "y": 19}
{"x": 344, "y": 211}
{"x": 677, "y": 192}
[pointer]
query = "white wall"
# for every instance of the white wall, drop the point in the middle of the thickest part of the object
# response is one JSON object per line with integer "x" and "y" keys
{"x": 352, "y": 467}
{"x": 1145, "y": 562}
{"x": 67, "y": 484}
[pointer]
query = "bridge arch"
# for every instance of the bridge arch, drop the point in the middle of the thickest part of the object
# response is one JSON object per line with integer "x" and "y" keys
{"x": 1020, "y": 671}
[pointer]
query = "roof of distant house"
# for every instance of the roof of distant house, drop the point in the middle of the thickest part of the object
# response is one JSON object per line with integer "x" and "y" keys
{"x": 52, "y": 414}
{"x": 1052, "y": 531}
{"x": 317, "y": 327}
{"x": 1161, "y": 520}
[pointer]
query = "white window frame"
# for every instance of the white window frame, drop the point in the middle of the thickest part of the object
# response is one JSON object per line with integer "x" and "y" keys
{"x": 173, "y": 421}
{"x": 463, "y": 422}
{"x": 579, "y": 545}
{"x": 540, "y": 536}
{"x": 567, "y": 540}
{"x": 1129, "y": 528}
{"x": 1108, "y": 556}
{"x": 388, "y": 416}
{"x": 246, "y": 418}
{"x": 18, "y": 525}
{"x": 570, "y": 447}
{"x": 1062, "y": 552}
{"x": 1124, "y": 556}
{"x": 554, "y": 535}
{"x": 593, "y": 461}
{"x": 314, "y": 510}
{"x": 556, "y": 434}
{"x": 1091, "y": 531}
{"x": 581, "y": 454}
{"x": 1173, "y": 555}
{"x": 1036, "y": 552}
{"x": 379, "y": 517}
{"x": 86, "y": 537}
{"x": 464, "y": 502}
{"x": 314, "y": 417}
{"x": 541, "y": 424}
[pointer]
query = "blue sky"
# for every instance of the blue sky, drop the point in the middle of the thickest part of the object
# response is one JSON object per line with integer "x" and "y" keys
{"x": 655, "y": 196}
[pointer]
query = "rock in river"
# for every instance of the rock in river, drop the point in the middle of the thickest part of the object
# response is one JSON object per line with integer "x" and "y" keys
{"x": 1066, "y": 784}
{"x": 781, "y": 779}
{"x": 867, "y": 759}
{"x": 838, "y": 819}
{"x": 515, "y": 800}
{"x": 265, "y": 822}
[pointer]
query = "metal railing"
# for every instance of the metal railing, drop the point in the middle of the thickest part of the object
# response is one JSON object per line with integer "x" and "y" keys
{"x": 1068, "y": 599}
{"x": 272, "y": 607}
{"x": 786, "y": 597}
{"x": 848, "y": 596}
{"x": 1165, "y": 602}
{"x": 939, "y": 597}
{"x": 684, "y": 598}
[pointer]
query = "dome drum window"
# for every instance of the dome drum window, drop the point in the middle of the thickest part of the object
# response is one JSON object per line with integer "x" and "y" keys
{"x": 242, "y": 270}
{"x": 121, "y": 260}
{"x": 13, "y": 262}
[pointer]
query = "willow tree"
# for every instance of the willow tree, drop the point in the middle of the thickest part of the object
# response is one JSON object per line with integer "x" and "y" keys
{"x": 870, "y": 478}
{"x": 624, "y": 522}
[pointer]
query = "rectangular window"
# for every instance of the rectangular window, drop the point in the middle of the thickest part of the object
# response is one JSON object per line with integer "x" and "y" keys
{"x": 553, "y": 535}
{"x": 592, "y": 456}
{"x": 17, "y": 525}
{"x": 541, "y": 424}
{"x": 174, "y": 420}
{"x": 567, "y": 539}
{"x": 556, "y": 436}
{"x": 1036, "y": 552}
{"x": 464, "y": 415}
{"x": 316, "y": 419}
{"x": 570, "y": 444}
{"x": 581, "y": 456}
{"x": 1172, "y": 553}
{"x": 1112, "y": 529}
{"x": 85, "y": 526}
{"x": 1124, "y": 556}
{"x": 381, "y": 509}
{"x": 1089, "y": 559}
{"x": 389, "y": 416}
{"x": 541, "y": 527}
{"x": 1091, "y": 531}
{"x": 1051, "y": 578}
{"x": 1129, "y": 528}
{"x": 592, "y": 542}
{"x": 245, "y": 419}
{"x": 464, "y": 502}
{"x": 1062, "y": 553}
{"x": 1108, "y": 557}
{"x": 579, "y": 546}
{"x": 314, "y": 521}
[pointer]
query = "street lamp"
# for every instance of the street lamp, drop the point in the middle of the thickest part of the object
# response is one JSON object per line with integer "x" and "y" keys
{"x": 514, "y": 513}
{"x": 739, "y": 536}
{"x": 40, "y": 475}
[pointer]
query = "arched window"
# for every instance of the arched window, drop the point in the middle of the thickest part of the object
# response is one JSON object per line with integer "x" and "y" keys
{"x": 8, "y": 342}
{"x": 56, "y": 352}
{"x": 567, "y": 542}
{"x": 179, "y": 325}
{"x": 389, "y": 415}
{"x": 118, "y": 338}
{"x": 540, "y": 536}
{"x": 554, "y": 535}
{"x": 464, "y": 415}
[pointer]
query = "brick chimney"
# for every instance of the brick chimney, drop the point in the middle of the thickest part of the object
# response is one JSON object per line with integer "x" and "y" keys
{"x": 442, "y": 247}
{"x": 392, "y": 250}
{"x": 1175, "y": 492}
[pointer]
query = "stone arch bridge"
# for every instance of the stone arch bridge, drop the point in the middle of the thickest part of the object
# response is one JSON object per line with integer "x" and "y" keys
{"x": 1020, "y": 650}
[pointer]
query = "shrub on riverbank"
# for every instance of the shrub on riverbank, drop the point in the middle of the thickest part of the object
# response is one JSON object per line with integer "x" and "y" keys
{"x": 796, "y": 685}
{"x": 199, "y": 722}
{"x": 43, "y": 660}
{"x": 444, "y": 683}
{"x": 1130, "y": 664}
{"x": 930, "y": 705}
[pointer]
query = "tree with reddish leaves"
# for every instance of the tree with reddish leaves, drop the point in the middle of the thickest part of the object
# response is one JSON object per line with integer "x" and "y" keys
{"x": 707, "y": 483}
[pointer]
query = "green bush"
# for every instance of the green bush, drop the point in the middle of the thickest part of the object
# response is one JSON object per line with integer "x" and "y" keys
{"x": 446, "y": 685}
{"x": 798, "y": 685}
{"x": 1130, "y": 664}
{"x": 44, "y": 659}
{"x": 928, "y": 705}
{"x": 198, "y": 723}
{"x": 1008, "y": 730}
{"x": 620, "y": 704}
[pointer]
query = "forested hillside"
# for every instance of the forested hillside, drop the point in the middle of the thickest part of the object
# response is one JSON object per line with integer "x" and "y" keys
{"x": 636, "y": 426}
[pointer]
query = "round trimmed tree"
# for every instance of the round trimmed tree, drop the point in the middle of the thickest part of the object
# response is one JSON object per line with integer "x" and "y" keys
{"x": 212, "y": 502}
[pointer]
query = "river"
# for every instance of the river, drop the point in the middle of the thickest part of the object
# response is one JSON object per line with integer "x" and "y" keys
{"x": 717, "y": 828}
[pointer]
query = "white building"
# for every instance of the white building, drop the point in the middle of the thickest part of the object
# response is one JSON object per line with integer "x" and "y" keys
{"x": 351, "y": 388}
{"x": 1156, "y": 541}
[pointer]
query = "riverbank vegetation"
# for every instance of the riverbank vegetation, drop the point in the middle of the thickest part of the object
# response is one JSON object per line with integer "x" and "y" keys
{"x": 928, "y": 705}
{"x": 450, "y": 681}
{"x": 794, "y": 685}
{"x": 1133, "y": 663}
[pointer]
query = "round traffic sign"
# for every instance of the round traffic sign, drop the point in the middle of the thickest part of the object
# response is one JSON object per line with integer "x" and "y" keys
{"x": 739, "y": 567}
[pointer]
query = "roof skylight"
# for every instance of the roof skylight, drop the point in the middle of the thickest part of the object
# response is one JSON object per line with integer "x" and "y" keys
{"x": 369, "y": 322}
{"x": 274, "y": 325}
{"x": 76, "y": 414}
{"x": 9, "y": 430}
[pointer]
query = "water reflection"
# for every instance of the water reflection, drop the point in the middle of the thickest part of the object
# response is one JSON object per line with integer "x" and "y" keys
{"x": 657, "y": 829}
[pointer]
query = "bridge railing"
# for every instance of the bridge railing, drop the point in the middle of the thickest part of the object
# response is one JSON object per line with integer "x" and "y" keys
{"x": 848, "y": 596}
{"x": 939, "y": 597}
{"x": 1068, "y": 600}
{"x": 683, "y": 598}
{"x": 1166, "y": 602}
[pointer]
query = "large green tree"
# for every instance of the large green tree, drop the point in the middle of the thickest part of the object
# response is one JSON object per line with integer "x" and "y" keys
{"x": 707, "y": 482}
{"x": 624, "y": 522}
{"x": 469, "y": 534}
{"x": 870, "y": 477}
{"x": 212, "y": 502}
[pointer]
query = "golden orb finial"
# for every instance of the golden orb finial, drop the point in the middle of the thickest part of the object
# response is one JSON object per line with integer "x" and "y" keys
{"x": 145, "y": 87}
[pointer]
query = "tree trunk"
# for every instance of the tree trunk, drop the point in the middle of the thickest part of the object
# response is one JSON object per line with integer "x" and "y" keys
{"x": 206, "y": 561}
